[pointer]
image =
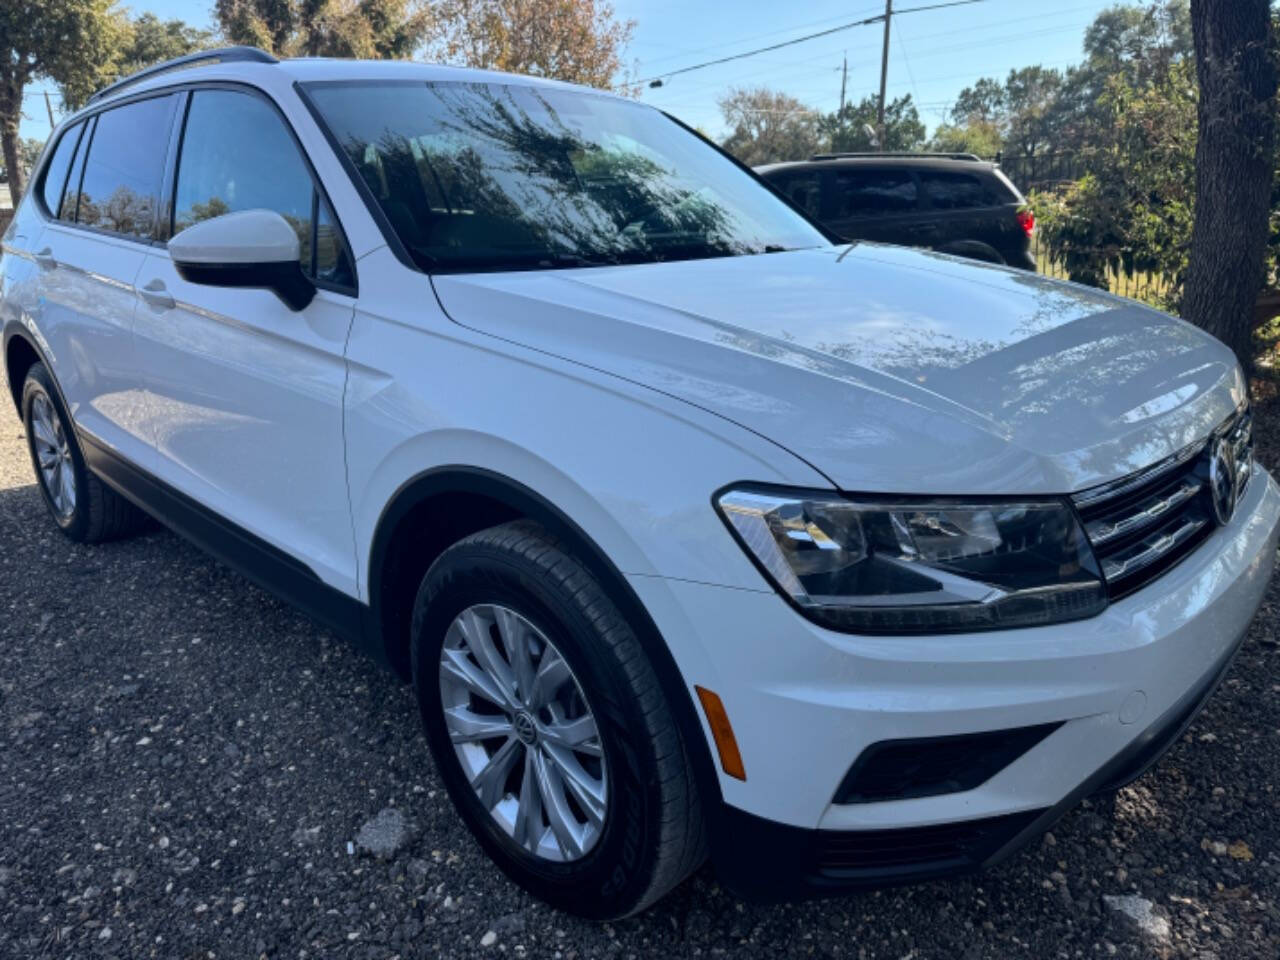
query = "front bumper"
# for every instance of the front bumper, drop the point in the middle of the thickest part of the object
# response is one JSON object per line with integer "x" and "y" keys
{"x": 805, "y": 702}
{"x": 772, "y": 861}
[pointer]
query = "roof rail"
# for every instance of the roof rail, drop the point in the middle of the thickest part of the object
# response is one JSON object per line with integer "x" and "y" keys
{"x": 917, "y": 154}
{"x": 199, "y": 59}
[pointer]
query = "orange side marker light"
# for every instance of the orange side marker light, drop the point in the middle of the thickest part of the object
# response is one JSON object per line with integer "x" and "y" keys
{"x": 726, "y": 742}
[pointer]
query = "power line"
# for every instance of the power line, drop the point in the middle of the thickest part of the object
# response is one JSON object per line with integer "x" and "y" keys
{"x": 867, "y": 21}
{"x": 807, "y": 65}
{"x": 747, "y": 39}
{"x": 984, "y": 28}
{"x": 702, "y": 103}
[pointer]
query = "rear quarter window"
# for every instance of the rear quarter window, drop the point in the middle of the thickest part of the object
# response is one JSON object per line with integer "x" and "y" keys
{"x": 962, "y": 191}
{"x": 872, "y": 193}
{"x": 55, "y": 174}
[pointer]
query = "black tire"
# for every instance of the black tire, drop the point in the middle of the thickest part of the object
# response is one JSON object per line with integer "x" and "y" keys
{"x": 653, "y": 835}
{"x": 99, "y": 513}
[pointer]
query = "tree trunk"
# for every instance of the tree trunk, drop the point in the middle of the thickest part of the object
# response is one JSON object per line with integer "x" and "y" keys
{"x": 10, "y": 117}
{"x": 1234, "y": 168}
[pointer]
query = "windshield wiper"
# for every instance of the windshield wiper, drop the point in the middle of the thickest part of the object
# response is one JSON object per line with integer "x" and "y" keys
{"x": 579, "y": 260}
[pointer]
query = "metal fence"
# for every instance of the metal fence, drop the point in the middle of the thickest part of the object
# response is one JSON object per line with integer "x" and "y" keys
{"x": 1044, "y": 171}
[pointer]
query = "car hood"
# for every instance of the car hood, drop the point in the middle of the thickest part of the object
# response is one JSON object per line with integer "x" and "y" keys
{"x": 889, "y": 370}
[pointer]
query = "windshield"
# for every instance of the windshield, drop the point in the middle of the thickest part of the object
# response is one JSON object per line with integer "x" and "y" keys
{"x": 477, "y": 176}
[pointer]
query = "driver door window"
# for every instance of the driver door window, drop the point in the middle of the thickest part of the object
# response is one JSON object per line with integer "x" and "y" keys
{"x": 237, "y": 155}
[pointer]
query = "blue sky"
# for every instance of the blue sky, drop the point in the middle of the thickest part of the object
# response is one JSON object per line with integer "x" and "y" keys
{"x": 933, "y": 54}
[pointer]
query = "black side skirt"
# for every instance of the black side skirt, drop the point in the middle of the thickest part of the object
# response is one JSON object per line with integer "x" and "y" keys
{"x": 267, "y": 566}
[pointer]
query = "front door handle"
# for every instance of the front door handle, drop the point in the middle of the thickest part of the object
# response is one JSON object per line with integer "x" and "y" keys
{"x": 45, "y": 259}
{"x": 156, "y": 295}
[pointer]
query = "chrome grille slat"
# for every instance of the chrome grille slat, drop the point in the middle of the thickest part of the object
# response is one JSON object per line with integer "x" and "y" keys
{"x": 1147, "y": 513}
{"x": 1148, "y": 551}
{"x": 1118, "y": 488}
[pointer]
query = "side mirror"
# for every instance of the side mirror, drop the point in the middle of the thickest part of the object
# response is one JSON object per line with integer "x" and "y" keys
{"x": 250, "y": 248}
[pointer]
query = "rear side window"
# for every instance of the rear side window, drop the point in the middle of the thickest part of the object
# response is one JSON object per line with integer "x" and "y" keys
{"x": 803, "y": 188}
{"x": 125, "y": 167}
{"x": 55, "y": 174}
{"x": 238, "y": 155}
{"x": 870, "y": 193}
{"x": 960, "y": 191}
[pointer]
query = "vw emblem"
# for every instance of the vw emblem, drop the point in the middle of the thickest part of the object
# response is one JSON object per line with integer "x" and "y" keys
{"x": 526, "y": 730}
{"x": 1222, "y": 479}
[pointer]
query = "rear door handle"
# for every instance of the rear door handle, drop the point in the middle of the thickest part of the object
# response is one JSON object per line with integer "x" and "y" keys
{"x": 156, "y": 295}
{"x": 45, "y": 259}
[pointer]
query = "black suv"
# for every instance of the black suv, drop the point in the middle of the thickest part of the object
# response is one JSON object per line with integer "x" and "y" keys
{"x": 949, "y": 202}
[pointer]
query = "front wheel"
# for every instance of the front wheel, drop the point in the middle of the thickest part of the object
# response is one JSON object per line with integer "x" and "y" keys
{"x": 549, "y": 728}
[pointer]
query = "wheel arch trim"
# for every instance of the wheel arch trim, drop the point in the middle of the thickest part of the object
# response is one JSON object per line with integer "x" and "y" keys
{"x": 15, "y": 330}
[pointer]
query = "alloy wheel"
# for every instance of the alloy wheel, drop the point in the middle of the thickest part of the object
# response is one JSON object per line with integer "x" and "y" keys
{"x": 523, "y": 732}
{"x": 53, "y": 455}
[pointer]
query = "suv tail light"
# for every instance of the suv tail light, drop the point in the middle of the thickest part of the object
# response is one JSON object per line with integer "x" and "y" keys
{"x": 1027, "y": 221}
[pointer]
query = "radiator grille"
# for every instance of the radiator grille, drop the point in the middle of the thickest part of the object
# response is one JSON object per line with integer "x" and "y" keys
{"x": 1142, "y": 525}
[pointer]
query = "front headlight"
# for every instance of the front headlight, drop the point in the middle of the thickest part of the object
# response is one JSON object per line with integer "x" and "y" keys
{"x": 920, "y": 566}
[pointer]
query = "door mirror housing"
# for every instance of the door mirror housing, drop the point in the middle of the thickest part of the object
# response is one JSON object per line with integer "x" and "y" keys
{"x": 249, "y": 248}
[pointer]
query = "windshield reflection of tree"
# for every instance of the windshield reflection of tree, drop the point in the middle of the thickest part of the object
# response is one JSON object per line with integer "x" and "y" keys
{"x": 526, "y": 186}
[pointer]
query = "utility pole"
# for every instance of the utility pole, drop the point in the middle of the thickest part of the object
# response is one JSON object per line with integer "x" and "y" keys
{"x": 49, "y": 107}
{"x": 844, "y": 83}
{"x": 884, "y": 68}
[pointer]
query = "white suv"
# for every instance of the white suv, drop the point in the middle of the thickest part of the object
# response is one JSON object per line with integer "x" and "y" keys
{"x": 695, "y": 531}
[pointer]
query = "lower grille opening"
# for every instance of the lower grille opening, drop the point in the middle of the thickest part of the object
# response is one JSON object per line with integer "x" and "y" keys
{"x": 931, "y": 766}
{"x": 946, "y": 847}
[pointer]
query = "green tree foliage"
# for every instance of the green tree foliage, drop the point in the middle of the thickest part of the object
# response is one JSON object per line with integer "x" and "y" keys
{"x": 1132, "y": 212}
{"x": 1032, "y": 119}
{"x": 152, "y": 40}
{"x": 29, "y": 153}
{"x": 846, "y": 130}
{"x": 983, "y": 103}
{"x": 768, "y": 127}
{"x": 372, "y": 29}
{"x": 1138, "y": 44}
{"x": 981, "y": 139}
{"x": 138, "y": 43}
{"x": 579, "y": 41}
{"x": 74, "y": 43}
{"x": 1022, "y": 114}
{"x": 1038, "y": 110}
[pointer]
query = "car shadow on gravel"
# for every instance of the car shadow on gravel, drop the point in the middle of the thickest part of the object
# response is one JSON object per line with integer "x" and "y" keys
{"x": 186, "y": 765}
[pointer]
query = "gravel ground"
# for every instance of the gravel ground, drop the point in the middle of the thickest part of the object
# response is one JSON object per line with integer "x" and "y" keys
{"x": 184, "y": 763}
